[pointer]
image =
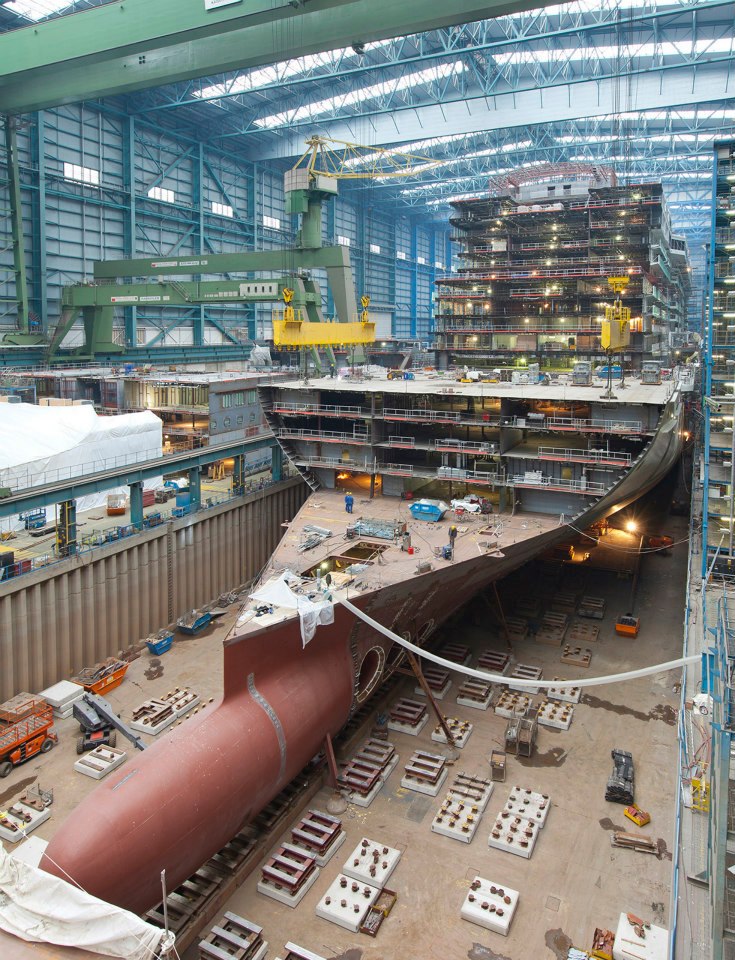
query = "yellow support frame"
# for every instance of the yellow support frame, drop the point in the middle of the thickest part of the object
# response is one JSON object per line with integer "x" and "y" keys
{"x": 305, "y": 333}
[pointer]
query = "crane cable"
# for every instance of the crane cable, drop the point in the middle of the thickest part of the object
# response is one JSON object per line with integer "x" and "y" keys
{"x": 530, "y": 685}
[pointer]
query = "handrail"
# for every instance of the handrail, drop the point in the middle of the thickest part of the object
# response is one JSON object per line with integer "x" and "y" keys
{"x": 304, "y": 434}
{"x": 327, "y": 410}
{"x": 633, "y": 427}
{"x": 592, "y": 456}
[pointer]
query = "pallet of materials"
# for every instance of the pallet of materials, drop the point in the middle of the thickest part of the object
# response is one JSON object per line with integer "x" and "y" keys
{"x": 576, "y": 656}
{"x": 602, "y": 944}
{"x": 490, "y": 905}
{"x": 593, "y": 608}
{"x": 320, "y": 835}
{"x": 425, "y": 773}
{"x": 233, "y": 938}
{"x": 498, "y": 761}
{"x": 494, "y": 662}
{"x": 552, "y": 713}
{"x": 620, "y": 785}
{"x": 460, "y": 730}
{"x": 639, "y": 842}
{"x": 552, "y": 628}
{"x": 583, "y": 632}
{"x": 408, "y": 716}
{"x": 456, "y": 653}
{"x": 566, "y": 694}
{"x": 524, "y": 671}
{"x": 438, "y": 681}
{"x": 564, "y": 602}
{"x": 287, "y": 875}
{"x": 475, "y": 693}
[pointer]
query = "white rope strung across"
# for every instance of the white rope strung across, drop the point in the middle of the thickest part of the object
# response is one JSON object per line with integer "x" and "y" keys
{"x": 534, "y": 685}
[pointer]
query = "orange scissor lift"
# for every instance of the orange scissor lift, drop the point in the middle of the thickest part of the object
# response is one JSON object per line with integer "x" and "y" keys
{"x": 25, "y": 730}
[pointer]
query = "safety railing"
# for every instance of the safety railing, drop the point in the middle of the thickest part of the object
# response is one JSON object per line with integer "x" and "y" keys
{"x": 324, "y": 410}
{"x": 20, "y": 479}
{"x": 434, "y": 416}
{"x": 590, "y": 487}
{"x": 569, "y": 455}
{"x": 322, "y": 436}
{"x": 468, "y": 446}
{"x": 574, "y": 424}
{"x": 401, "y": 441}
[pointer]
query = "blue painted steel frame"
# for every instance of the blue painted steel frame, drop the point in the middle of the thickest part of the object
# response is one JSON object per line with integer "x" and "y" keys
{"x": 707, "y": 380}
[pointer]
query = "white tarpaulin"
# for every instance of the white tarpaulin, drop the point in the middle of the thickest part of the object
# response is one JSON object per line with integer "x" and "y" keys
{"x": 41, "y": 445}
{"x": 39, "y": 908}
{"x": 277, "y": 593}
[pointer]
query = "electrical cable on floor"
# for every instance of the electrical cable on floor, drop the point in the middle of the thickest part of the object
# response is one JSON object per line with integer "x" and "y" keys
{"x": 534, "y": 685}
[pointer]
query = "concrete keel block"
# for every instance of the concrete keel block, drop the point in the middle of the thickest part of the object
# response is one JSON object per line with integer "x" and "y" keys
{"x": 420, "y": 786}
{"x": 269, "y": 889}
{"x": 14, "y": 828}
{"x": 363, "y": 857}
{"x": 99, "y": 762}
{"x": 346, "y": 906}
{"x": 323, "y": 861}
{"x": 413, "y": 731}
{"x": 490, "y": 905}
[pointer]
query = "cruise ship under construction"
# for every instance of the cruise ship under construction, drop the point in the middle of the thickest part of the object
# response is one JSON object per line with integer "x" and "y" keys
{"x": 454, "y": 479}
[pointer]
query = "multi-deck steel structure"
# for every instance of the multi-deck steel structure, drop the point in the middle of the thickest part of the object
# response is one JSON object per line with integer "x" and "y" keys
{"x": 534, "y": 258}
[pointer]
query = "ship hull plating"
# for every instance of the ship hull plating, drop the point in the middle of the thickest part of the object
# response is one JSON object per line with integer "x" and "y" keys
{"x": 185, "y": 797}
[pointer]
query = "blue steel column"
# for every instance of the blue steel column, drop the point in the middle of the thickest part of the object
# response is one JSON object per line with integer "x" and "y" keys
{"x": 39, "y": 238}
{"x": 136, "y": 504}
{"x": 707, "y": 385}
{"x": 66, "y": 529}
{"x": 276, "y": 463}
{"x": 195, "y": 488}
{"x": 332, "y": 238}
{"x": 414, "y": 276}
{"x": 131, "y": 228}
{"x": 238, "y": 476}
{"x": 198, "y": 198}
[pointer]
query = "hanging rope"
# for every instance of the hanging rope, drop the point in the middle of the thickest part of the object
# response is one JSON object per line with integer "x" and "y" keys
{"x": 532, "y": 685}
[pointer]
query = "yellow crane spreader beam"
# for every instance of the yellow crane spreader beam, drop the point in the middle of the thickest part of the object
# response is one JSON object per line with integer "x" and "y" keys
{"x": 305, "y": 333}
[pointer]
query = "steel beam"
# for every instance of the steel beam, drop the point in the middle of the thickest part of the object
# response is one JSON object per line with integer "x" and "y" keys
{"x": 661, "y": 88}
{"x": 121, "y": 47}
{"x": 16, "y": 221}
{"x": 66, "y": 491}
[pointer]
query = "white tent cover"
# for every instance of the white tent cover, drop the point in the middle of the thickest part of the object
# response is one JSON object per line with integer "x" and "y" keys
{"x": 40, "y": 908}
{"x": 40, "y": 445}
{"x": 277, "y": 592}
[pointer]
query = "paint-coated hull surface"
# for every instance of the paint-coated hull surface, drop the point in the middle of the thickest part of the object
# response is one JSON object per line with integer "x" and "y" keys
{"x": 184, "y": 798}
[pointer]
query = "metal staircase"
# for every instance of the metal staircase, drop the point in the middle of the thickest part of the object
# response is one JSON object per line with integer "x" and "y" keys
{"x": 274, "y": 424}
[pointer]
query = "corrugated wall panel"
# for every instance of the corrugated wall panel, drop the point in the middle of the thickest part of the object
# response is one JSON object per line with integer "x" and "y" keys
{"x": 57, "y": 620}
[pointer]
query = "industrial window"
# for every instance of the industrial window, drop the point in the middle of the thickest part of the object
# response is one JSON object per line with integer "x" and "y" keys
{"x": 226, "y": 422}
{"x": 161, "y": 193}
{"x": 252, "y": 418}
{"x": 421, "y": 260}
{"x": 439, "y": 265}
{"x": 343, "y": 241}
{"x": 251, "y": 396}
{"x": 273, "y": 223}
{"x": 72, "y": 171}
{"x": 374, "y": 248}
{"x": 240, "y": 420}
{"x": 223, "y": 210}
{"x": 400, "y": 255}
{"x": 212, "y": 425}
{"x": 234, "y": 399}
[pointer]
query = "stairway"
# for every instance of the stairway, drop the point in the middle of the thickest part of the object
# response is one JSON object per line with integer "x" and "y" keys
{"x": 274, "y": 423}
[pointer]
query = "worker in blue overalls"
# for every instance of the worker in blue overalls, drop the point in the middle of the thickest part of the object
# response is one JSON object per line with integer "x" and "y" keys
{"x": 349, "y": 500}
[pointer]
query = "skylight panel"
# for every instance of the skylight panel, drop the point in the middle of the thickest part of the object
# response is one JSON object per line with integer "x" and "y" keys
{"x": 361, "y": 95}
{"x": 36, "y": 9}
{"x": 683, "y": 48}
{"x": 284, "y": 70}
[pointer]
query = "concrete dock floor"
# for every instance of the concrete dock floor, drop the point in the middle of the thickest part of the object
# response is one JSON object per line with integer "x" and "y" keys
{"x": 574, "y": 882}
